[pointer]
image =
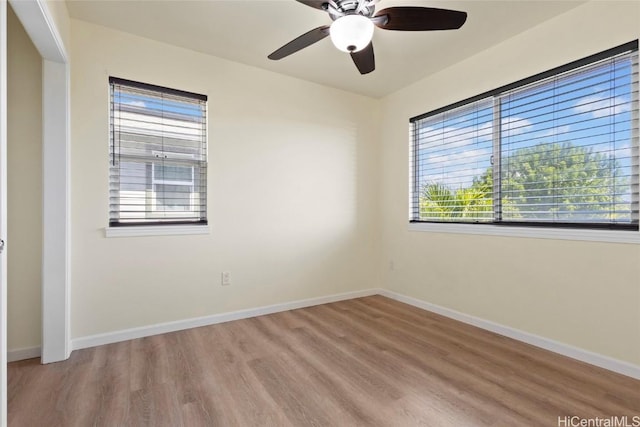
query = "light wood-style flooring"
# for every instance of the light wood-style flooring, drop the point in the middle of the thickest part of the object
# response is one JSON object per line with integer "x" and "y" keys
{"x": 369, "y": 361}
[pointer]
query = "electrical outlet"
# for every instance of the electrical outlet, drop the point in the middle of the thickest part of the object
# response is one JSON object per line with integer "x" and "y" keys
{"x": 226, "y": 278}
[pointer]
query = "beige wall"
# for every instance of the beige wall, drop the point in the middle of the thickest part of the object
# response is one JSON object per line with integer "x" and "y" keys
{"x": 292, "y": 191}
{"x": 305, "y": 199}
{"x": 580, "y": 293}
{"x": 24, "y": 255}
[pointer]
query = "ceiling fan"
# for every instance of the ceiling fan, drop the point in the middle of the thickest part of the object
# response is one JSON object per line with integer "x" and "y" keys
{"x": 353, "y": 24}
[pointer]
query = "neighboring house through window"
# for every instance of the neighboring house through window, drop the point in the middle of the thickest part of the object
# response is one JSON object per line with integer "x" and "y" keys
{"x": 158, "y": 148}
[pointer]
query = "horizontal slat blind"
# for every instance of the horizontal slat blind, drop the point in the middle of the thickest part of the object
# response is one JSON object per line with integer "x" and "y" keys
{"x": 561, "y": 148}
{"x": 158, "y": 172}
{"x": 568, "y": 149}
{"x": 452, "y": 150}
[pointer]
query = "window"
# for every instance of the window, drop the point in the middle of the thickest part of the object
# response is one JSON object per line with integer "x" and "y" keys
{"x": 176, "y": 182}
{"x": 158, "y": 172}
{"x": 557, "y": 149}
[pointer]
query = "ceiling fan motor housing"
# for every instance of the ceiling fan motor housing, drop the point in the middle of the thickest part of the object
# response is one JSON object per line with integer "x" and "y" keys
{"x": 338, "y": 8}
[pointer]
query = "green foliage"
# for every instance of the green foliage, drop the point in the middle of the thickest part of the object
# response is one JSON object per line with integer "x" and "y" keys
{"x": 438, "y": 201}
{"x": 543, "y": 179}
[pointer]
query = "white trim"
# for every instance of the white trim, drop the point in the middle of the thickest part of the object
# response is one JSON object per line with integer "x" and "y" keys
{"x": 610, "y": 236}
{"x": 615, "y": 365}
{"x": 37, "y": 20}
{"x": 3, "y": 213}
{"x": 23, "y": 354}
{"x": 162, "y": 328}
{"x": 56, "y": 213}
{"x": 156, "y": 230}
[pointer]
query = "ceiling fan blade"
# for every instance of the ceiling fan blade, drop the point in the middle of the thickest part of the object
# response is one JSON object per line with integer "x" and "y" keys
{"x": 365, "y": 59}
{"x": 316, "y": 4}
{"x": 409, "y": 18}
{"x": 307, "y": 39}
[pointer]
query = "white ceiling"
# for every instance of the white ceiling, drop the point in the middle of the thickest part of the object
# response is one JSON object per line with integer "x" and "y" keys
{"x": 247, "y": 31}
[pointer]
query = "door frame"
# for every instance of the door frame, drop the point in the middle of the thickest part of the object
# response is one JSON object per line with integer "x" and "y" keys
{"x": 39, "y": 23}
{"x": 3, "y": 212}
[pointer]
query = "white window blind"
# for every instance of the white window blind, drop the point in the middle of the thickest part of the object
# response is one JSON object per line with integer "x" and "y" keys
{"x": 451, "y": 152}
{"x": 559, "y": 148}
{"x": 158, "y": 155}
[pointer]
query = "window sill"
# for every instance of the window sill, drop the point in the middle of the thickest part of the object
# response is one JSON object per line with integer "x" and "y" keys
{"x": 156, "y": 230}
{"x": 609, "y": 236}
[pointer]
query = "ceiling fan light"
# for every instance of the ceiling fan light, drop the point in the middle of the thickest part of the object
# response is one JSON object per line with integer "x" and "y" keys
{"x": 351, "y": 33}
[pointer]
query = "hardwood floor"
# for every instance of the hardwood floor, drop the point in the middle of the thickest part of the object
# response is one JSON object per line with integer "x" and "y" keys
{"x": 370, "y": 361}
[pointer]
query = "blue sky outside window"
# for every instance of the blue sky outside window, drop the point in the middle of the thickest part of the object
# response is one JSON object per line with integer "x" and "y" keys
{"x": 563, "y": 149}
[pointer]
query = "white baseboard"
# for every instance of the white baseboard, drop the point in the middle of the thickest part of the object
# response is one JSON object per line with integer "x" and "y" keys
{"x": 615, "y": 365}
{"x": 592, "y": 358}
{"x": 162, "y": 328}
{"x": 23, "y": 354}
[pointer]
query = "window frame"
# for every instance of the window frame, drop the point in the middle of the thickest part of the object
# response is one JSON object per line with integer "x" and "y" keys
{"x": 160, "y": 181}
{"x": 161, "y": 227}
{"x": 539, "y": 229}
